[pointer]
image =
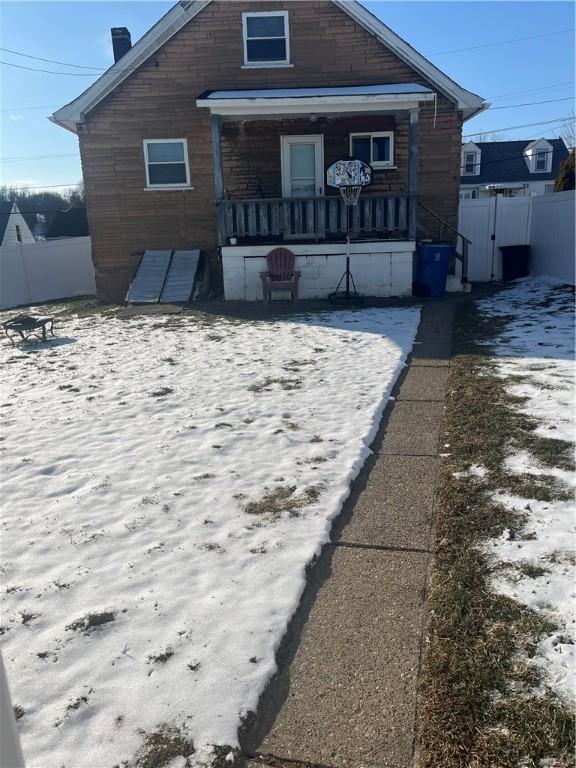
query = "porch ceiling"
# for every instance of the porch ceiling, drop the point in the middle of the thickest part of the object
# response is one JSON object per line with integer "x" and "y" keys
{"x": 307, "y": 101}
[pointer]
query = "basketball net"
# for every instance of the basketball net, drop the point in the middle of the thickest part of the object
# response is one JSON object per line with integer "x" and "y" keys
{"x": 350, "y": 195}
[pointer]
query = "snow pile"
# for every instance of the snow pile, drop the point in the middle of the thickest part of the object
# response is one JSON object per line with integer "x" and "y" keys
{"x": 165, "y": 483}
{"x": 537, "y": 347}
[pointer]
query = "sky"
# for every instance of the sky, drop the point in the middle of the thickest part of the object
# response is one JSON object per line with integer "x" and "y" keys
{"x": 36, "y": 153}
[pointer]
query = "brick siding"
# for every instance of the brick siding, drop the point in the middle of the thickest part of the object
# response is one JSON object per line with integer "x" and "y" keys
{"x": 158, "y": 101}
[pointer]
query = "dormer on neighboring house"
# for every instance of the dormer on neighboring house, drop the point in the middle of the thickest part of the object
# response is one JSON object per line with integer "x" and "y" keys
{"x": 510, "y": 168}
{"x": 471, "y": 159}
{"x": 13, "y": 227}
{"x": 538, "y": 156}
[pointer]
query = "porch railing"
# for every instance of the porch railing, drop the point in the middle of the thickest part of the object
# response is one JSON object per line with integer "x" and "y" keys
{"x": 316, "y": 218}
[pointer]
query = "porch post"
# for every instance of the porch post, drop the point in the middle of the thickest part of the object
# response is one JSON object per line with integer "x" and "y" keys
{"x": 413, "y": 175}
{"x": 215, "y": 131}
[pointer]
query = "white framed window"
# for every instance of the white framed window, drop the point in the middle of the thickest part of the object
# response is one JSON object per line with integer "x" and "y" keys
{"x": 376, "y": 149}
{"x": 166, "y": 162}
{"x": 266, "y": 39}
{"x": 541, "y": 160}
{"x": 469, "y": 194}
{"x": 469, "y": 164}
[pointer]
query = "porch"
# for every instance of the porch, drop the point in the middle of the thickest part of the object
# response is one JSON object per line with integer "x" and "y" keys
{"x": 271, "y": 149}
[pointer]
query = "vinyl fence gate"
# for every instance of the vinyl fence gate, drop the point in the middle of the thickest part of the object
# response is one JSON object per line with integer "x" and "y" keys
{"x": 491, "y": 223}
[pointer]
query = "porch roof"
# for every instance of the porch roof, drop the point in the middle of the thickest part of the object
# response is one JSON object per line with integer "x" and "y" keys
{"x": 283, "y": 101}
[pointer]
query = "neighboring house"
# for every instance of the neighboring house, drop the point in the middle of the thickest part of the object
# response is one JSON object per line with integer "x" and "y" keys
{"x": 510, "y": 168}
{"x": 214, "y": 131}
{"x": 13, "y": 227}
{"x": 70, "y": 223}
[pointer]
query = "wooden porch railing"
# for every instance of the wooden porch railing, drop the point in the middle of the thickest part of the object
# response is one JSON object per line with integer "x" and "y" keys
{"x": 316, "y": 218}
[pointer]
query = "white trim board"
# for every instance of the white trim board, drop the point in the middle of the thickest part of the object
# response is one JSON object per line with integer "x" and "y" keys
{"x": 74, "y": 113}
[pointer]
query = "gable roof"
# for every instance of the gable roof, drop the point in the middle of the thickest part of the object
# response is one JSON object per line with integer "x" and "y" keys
{"x": 6, "y": 207}
{"x": 503, "y": 161}
{"x": 184, "y": 11}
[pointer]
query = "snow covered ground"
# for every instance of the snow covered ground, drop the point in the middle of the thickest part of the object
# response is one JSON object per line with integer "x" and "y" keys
{"x": 537, "y": 349}
{"x": 165, "y": 481}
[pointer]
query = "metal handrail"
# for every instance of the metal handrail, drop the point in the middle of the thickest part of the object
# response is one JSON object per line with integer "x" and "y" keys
{"x": 444, "y": 223}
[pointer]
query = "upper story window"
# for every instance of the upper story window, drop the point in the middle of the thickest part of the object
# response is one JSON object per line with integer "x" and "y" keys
{"x": 469, "y": 165}
{"x": 266, "y": 38}
{"x": 166, "y": 163}
{"x": 377, "y": 149}
{"x": 541, "y": 160}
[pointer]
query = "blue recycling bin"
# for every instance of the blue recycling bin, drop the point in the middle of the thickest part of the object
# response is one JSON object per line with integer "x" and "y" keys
{"x": 433, "y": 264}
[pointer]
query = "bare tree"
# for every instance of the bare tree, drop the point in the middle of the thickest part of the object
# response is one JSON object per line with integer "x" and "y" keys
{"x": 568, "y": 131}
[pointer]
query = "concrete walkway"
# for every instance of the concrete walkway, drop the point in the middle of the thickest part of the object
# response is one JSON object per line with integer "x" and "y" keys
{"x": 345, "y": 696}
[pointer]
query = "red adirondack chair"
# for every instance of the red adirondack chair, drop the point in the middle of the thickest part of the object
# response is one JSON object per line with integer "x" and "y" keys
{"x": 280, "y": 275}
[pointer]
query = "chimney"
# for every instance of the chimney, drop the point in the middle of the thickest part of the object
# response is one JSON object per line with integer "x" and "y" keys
{"x": 121, "y": 42}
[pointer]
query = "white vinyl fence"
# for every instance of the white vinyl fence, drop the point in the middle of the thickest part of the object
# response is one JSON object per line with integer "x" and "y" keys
{"x": 552, "y": 236}
{"x": 545, "y": 222}
{"x": 37, "y": 272}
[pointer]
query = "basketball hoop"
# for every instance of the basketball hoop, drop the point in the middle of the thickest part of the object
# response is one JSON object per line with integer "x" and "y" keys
{"x": 350, "y": 195}
{"x": 349, "y": 177}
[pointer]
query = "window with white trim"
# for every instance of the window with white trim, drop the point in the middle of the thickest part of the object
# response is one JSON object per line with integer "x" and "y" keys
{"x": 469, "y": 165}
{"x": 166, "y": 162}
{"x": 376, "y": 149}
{"x": 541, "y": 160}
{"x": 266, "y": 38}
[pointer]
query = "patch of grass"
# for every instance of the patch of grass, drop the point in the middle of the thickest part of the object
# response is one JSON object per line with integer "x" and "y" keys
{"x": 162, "y": 657}
{"x": 282, "y": 500}
{"x": 162, "y": 392}
{"x": 77, "y": 703}
{"x": 91, "y": 622}
{"x": 532, "y": 570}
{"x": 266, "y": 384}
{"x": 478, "y": 708}
{"x": 161, "y": 747}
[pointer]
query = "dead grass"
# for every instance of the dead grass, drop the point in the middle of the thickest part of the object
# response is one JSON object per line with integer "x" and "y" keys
{"x": 283, "y": 500}
{"x": 91, "y": 621}
{"x": 477, "y": 706}
{"x": 266, "y": 384}
{"x": 161, "y": 747}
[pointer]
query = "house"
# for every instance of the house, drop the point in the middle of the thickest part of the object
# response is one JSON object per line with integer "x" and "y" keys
{"x": 70, "y": 223}
{"x": 510, "y": 168}
{"x": 13, "y": 227}
{"x": 214, "y": 131}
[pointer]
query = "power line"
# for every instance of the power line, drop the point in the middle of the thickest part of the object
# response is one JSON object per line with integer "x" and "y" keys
{"x": 531, "y": 103}
{"x": 51, "y": 61}
{"x": 20, "y": 212}
{"x": 551, "y": 87}
{"x": 35, "y": 157}
{"x": 513, "y": 127}
{"x": 25, "y": 188}
{"x": 26, "y": 109}
{"x": 502, "y": 42}
{"x": 50, "y": 71}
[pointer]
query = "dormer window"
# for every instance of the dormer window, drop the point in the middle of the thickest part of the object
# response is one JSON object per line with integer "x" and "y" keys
{"x": 541, "y": 160}
{"x": 266, "y": 39}
{"x": 469, "y": 163}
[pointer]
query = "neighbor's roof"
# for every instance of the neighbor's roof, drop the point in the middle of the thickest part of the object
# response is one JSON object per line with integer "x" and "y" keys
{"x": 502, "y": 161}
{"x": 5, "y": 211}
{"x": 184, "y": 11}
{"x": 70, "y": 223}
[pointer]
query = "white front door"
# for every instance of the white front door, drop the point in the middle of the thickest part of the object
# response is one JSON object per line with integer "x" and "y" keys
{"x": 302, "y": 166}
